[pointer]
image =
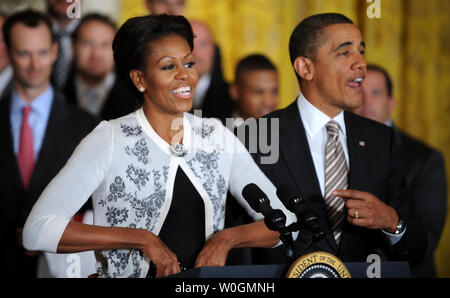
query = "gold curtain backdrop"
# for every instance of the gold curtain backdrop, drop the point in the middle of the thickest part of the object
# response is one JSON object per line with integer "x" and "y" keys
{"x": 411, "y": 39}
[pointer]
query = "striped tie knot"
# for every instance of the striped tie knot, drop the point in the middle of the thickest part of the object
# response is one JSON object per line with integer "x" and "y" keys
{"x": 332, "y": 128}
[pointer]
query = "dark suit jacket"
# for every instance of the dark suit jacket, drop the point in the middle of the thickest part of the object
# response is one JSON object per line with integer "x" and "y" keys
{"x": 67, "y": 125}
{"x": 119, "y": 102}
{"x": 424, "y": 170}
{"x": 374, "y": 168}
{"x": 217, "y": 102}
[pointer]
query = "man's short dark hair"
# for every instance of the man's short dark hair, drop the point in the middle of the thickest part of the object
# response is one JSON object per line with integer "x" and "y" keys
{"x": 308, "y": 35}
{"x": 251, "y": 63}
{"x": 29, "y": 18}
{"x": 387, "y": 78}
{"x": 94, "y": 17}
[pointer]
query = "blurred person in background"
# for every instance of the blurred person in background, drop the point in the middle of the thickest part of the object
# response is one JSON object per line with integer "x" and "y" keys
{"x": 255, "y": 92}
{"x": 212, "y": 93}
{"x": 173, "y": 7}
{"x": 63, "y": 26}
{"x": 255, "y": 88}
{"x": 38, "y": 129}
{"x": 93, "y": 83}
{"x": 422, "y": 166}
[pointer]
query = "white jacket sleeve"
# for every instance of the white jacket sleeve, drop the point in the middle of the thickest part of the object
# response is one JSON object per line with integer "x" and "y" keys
{"x": 69, "y": 190}
{"x": 244, "y": 171}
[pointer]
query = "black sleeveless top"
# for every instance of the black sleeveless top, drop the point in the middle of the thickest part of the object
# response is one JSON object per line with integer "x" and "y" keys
{"x": 183, "y": 230}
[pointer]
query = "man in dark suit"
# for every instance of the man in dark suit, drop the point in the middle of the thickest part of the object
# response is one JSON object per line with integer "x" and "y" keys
{"x": 344, "y": 166}
{"x": 422, "y": 166}
{"x": 93, "y": 84}
{"x": 39, "y": 132}
{"x": 211, "y": 94}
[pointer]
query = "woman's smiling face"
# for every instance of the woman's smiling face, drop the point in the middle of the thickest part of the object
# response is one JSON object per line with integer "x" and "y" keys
{"x": 169, "y": 77}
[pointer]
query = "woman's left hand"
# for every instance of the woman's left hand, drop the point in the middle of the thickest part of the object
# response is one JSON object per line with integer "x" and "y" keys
{"x": 215, "y": 251}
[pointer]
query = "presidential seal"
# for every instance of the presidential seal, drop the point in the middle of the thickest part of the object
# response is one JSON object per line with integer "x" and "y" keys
{"x": 318, "y": 265}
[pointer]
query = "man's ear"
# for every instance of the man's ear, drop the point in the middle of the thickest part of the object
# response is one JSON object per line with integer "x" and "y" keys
{"x": 137, "y": 77}
{"x": 304, "y": 67}
{"x": 233, "y": 92}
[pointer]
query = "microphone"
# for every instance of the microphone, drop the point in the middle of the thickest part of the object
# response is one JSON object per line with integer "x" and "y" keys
{"x": 275, "y": 219}
{"x": 297, "y": 205}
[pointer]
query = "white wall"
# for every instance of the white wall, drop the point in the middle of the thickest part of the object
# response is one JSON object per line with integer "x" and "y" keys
{"x": 109, "y": 7}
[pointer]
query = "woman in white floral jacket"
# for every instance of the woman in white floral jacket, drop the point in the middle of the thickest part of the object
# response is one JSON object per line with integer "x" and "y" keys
{"x": 159, "y": 176}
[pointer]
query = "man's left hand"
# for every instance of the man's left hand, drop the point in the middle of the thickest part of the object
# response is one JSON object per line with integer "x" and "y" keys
{"x": 366, "y": 210}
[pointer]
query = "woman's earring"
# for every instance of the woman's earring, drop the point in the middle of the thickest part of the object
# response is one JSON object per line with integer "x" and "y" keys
{"x": 142, "y": 89}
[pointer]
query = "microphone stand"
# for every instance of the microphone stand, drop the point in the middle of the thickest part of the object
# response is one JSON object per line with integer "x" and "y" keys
{"x": 288, "y": 241}
{"x": 276, "y": 221}
{"x": 308, "y": 220}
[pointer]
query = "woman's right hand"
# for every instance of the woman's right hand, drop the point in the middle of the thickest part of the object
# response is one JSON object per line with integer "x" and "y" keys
{"x": 82, "y": 237}
{"x": 165, "y": 260}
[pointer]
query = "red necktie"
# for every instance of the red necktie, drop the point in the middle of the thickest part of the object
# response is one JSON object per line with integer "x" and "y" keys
{"x": 26, "y": 153}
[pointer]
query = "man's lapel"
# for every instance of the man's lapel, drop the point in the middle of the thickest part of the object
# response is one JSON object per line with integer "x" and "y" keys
{"x": 295, "y": 148}
{"x": 7, "y": 156}
{"x": 50, "y": 144}
{"x": 358, "y": 150}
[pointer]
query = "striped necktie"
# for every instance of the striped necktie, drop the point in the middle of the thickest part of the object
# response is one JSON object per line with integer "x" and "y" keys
{"x": 335, "y": 178}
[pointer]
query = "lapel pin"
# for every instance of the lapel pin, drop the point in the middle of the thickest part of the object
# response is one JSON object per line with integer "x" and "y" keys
{"x": 362, "y": 143}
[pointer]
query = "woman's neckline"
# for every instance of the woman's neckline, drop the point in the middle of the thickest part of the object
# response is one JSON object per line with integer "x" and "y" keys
{"x": 149, "y": 130}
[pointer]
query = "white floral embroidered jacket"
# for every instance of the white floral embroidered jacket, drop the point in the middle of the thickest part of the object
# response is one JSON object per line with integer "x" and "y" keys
{"x": 130, "y": 172}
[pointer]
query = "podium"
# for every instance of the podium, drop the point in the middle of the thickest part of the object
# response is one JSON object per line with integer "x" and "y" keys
{"x": 357, "y": 270}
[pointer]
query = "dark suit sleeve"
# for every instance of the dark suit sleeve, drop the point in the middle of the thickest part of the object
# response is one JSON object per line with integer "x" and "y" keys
{"x": 412, "y": 246}
{"x": 429, "y": 197}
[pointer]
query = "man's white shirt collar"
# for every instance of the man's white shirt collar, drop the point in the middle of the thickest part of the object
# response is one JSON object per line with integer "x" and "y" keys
{"x": 314, "y": 120}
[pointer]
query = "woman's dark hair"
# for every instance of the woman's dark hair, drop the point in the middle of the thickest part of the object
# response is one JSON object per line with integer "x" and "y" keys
{"x": 132, "y": 41}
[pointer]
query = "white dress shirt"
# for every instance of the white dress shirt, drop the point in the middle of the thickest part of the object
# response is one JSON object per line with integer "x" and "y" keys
{"x": 314, "y": 122}
{"x": 38, "y": 118}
